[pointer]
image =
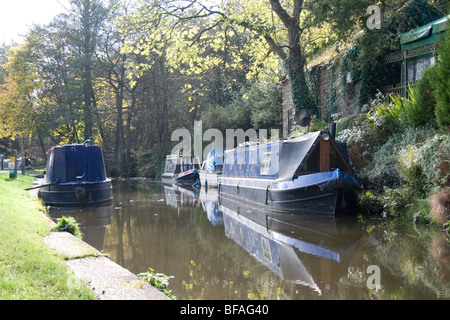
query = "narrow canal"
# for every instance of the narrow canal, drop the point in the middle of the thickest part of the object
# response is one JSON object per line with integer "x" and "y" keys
{"x": 230, "y": 251}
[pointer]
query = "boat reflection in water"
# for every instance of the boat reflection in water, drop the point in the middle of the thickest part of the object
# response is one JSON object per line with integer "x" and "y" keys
{"x": 181, "y": 196}
{"x": 209, "y": 198}
{"x": 184, "y": 196}
{"x": 308, "y": 250}
{"x": 93, "y": 221}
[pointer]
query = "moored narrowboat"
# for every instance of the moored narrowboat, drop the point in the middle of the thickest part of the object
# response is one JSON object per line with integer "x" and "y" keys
{"x": 182, "y": 170}
{"x": 76, "y": 176}
{"x": 309, "y": 174}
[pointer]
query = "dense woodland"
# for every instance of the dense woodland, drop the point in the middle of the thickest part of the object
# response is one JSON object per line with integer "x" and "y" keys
{"x": 126, "y": 74}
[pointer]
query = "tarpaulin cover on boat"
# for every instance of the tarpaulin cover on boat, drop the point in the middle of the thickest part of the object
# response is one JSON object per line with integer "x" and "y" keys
{"x": 75, "y": 162}
{"x": 214, "y": 160}
{"x": 294, "y": 152}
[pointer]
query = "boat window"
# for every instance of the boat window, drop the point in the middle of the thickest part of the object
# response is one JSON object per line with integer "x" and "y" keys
{"x": 266, "y": 249}
{"x": 312, "y": 163}
{"x": 265, "y": 165}
{"x": 187, "y": 163}
{"x": 170, "y": 166}
{"x": 253, "y": 155}
{"x": 337, "y": 162}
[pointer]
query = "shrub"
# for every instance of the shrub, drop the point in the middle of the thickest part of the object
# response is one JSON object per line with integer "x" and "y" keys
{"x": 395, "y": 201}
{"x": 410, "y": 170}
{"x": 68, "y": 224}
{"x": 368, "y": 203}
{"x": 384, "y": 167}
{"x": 418, "y": 211}
{"x": 158, "y": 280}
{"x": 383, "y": 117}
{"x": 265, "y": 101}
{"x": 415, "y": 110}
{"x": 359, "y": 144}
{"x": 441, "y": 81}
{"x": 149, "y": 164}
{"x": 423, "y": 163}
{"x": 356, "y": 120}
{"x": 439, "y": 203}
{"x": 433, "y": 158}
{"x": 421, "y": 111}
{"x": 404, "y": 105}
{"x": 315, "y": 125}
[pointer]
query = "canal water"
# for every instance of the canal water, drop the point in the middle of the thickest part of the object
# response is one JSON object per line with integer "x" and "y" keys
{"x": 219, "y": 249}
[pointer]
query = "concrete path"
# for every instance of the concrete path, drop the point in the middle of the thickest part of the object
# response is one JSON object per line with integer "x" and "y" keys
{"x": 107, "y": 280}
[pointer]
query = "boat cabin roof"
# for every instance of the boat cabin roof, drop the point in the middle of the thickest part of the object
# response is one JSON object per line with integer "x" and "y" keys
{"x": 179, "y": 159}
{"x": 177, "y": 164}
{"x": 75, "y": 162}
{"x": 286, "y": 159}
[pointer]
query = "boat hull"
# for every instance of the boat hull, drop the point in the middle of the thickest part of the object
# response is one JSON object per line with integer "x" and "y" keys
{"x": 323, "y": 193}
{"x": 210, "y": 179}
{"x": 185, "y": 178}
{"x": 78, "y": 194}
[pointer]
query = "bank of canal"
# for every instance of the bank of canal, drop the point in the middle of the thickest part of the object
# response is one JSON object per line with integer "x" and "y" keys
{"x": 38, "y": 264}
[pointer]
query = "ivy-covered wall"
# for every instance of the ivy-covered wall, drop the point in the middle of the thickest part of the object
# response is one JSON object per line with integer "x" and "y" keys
{"x": 346, "y": 84}
{"x": 334, "y": 90}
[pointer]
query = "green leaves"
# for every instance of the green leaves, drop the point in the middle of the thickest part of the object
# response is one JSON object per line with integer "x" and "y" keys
{"x": 441, "y": 81}
{"x": 68, "y": 224}
{"x": 18, "y": 101}
{"x": 158, "y": 280}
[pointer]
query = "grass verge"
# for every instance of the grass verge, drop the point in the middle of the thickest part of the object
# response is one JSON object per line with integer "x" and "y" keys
{"x": 29, "y": 270}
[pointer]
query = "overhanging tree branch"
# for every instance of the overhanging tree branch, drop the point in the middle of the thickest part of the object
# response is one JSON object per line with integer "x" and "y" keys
{"x": 278, "y": 50}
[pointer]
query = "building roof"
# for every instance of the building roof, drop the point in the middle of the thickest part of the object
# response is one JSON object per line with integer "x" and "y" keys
{"x": 425, "y": 34}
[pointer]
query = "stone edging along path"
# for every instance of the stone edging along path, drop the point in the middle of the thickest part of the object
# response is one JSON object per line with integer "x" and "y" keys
{"x": 105, "y": 278}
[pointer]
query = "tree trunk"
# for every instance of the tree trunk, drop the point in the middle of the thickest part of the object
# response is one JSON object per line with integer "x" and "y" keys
{"x": 301, "y": 97}
{"x": 87, "y": 113}
{"x": 295, "y": 62}
{"x": 127, "y": 154}
{"x": 119, "y": 138}
{"x": 87, "y": 51}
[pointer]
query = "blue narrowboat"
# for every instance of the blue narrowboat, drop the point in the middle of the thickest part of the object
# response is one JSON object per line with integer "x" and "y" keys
{"x": 181, "y": 170}
{"x": 310, "y": 173}
{"x": 76, "y": 176}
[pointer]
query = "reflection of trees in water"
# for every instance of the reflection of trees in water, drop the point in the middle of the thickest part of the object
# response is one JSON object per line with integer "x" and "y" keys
{"x": 181, "y": 241}
{"x": 414, "y": 262}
